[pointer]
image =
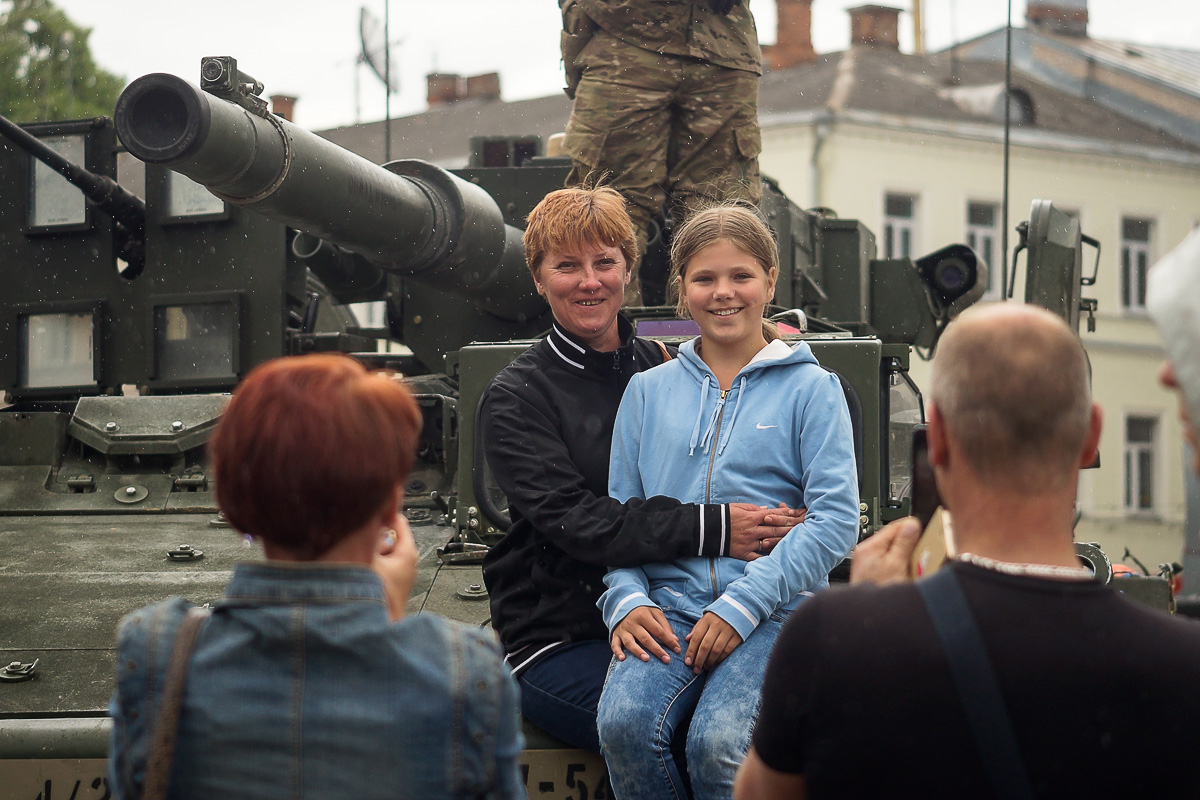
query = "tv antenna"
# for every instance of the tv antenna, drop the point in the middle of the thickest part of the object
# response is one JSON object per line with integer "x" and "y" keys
{"x": 377, "y": 54}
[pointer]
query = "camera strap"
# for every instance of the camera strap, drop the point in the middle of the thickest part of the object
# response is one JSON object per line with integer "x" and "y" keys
{"x": 991, "y": 727}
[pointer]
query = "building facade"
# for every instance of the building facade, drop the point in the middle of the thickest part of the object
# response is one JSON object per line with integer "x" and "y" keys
{"x": 913, "y": 146}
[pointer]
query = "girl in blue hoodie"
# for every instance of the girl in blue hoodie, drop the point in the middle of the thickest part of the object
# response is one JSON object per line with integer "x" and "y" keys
{"x": 739, "y": 416}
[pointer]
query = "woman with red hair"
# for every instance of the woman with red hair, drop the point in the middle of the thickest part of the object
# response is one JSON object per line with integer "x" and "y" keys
{"x": 307, "y": 680}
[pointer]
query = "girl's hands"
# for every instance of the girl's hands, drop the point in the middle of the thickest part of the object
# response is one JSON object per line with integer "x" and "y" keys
{"x": 710, "y": 642}
{"x": 641, "y": 630}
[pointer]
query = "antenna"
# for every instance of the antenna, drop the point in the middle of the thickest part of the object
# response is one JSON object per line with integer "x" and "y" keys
{"x": 1006, "y": 293}
{"x": 374, "y": 49}
{"x": 377, "y": 52}
{"x": 918, "y": 29}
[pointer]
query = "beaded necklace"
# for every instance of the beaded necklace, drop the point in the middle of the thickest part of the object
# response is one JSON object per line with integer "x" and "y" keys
{"x": 1033, "y": 570}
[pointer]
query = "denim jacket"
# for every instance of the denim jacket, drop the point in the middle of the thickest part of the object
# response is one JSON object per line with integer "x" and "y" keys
{"x": 301, "y": 686}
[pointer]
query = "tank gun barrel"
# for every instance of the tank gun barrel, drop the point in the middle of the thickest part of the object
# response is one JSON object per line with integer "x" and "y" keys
{"x": 124, "y": 206}
{"x": 408, "y": 217}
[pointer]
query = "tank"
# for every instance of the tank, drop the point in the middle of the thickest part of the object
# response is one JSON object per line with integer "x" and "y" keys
{"x": 255, "y": 234}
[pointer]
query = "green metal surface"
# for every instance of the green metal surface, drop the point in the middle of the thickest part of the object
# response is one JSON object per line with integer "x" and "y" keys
{"x": 65, "y": 582}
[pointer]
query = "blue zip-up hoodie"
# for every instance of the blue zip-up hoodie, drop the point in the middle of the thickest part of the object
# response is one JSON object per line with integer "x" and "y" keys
{"x": 780, "y": 434}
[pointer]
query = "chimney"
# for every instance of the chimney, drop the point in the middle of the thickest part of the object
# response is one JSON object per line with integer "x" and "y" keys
{"x": 793, "y": 35}
{"x": 283, "y": 105}
{"x": 1068, "y": 17}
{"x": 483, "y": 87}
{"x": 442, "y": 88}
{"x": 878, "y": 26}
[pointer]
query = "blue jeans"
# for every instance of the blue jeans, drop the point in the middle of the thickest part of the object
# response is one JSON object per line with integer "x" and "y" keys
{"x": 646, "y": 703}
{"x": 559, "y": 693}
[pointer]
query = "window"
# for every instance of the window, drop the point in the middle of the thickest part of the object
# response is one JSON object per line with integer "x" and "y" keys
{"x": 1135, "y": 260}
{"x": 55, "y": 201}
{"x": 1139, "y": 463}
{"x": 983, "y": 236}
{"x": 1020, "y": 108}
{"x": 195, "y": 341}
{"x": 899, "y": 225}
{"x": 59, "y": 350}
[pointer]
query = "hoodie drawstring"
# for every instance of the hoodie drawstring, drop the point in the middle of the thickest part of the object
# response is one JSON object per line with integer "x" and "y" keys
{"x": 699, "y": 416}
{"x": 712, "y": 424}
{"x": 710, "y": 429}
{"x": 733, "y": 417}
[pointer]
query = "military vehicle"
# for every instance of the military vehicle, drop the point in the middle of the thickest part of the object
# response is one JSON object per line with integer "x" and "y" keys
{"x": 123, "y": 326}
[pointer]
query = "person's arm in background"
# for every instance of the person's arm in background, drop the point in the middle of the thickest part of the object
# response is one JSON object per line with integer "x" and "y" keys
{"x": 533, "y": 467}
{"x": 145, "y": 639}
{"x": 128, "y": 743}
{"x": 756, "y": 781}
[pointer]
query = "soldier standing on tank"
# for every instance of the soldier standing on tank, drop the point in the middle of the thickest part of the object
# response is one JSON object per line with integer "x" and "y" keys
{"x": 666, "y": 104}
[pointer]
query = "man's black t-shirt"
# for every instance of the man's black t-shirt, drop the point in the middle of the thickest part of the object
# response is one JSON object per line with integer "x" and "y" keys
{"x": 1104, "y": 695}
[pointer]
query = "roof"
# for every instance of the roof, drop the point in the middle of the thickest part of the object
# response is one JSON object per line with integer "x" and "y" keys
{"x": 442, "y": 135}
{"x": 1156, "y": 86}
{"x": 939, "y": 87}
{"x": 1173, "y": 66}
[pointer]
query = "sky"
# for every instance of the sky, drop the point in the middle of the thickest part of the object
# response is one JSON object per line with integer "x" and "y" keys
{"x": 309, "y": 48}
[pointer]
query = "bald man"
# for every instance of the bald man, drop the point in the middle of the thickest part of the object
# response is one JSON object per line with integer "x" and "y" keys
{"x": 1099, "y": 694}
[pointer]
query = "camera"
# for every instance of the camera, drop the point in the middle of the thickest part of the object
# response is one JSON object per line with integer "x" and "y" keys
{"x": 954, "y": 277}
{"x": 221, "y": 76}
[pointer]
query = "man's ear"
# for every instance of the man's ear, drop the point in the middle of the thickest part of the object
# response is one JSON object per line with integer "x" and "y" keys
{"x": 1092, "y": 444}
{"x": 935, "y": 436}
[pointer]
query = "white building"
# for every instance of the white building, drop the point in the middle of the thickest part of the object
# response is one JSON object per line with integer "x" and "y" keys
{"x": 913, "y": 146}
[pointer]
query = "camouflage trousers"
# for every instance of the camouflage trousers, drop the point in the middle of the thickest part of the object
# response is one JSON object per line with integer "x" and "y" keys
{"x": 658, "y": 127}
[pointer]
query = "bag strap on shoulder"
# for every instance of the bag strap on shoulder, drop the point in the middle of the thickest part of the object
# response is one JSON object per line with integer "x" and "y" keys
{"x": 991, "y": 727}
{"x": 162, "y": 748}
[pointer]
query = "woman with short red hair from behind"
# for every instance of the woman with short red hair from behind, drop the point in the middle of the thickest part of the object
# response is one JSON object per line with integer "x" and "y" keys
{"x": 307, "y": 680}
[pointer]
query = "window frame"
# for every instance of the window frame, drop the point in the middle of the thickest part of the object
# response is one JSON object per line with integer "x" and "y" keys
{"x": 994, "y": 266}
{"x": 893, "y": 224}
{"x": 1133, "y": 277}
{"x": 1131, "y": 465}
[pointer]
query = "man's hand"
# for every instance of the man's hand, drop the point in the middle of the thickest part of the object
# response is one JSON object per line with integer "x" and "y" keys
{"x": 723, "y": 6}
{"x": 644, "y": 627}
{"x": 755, "y": 530}
{"x": 710, "y": 642}
{"x": 884, "y": 558}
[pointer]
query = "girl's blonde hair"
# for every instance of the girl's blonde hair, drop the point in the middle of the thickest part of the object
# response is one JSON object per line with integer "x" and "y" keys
{"x": 736, "y": 223}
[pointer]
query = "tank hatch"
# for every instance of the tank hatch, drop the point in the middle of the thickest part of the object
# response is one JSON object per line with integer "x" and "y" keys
{"x": 167, "y": 425}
